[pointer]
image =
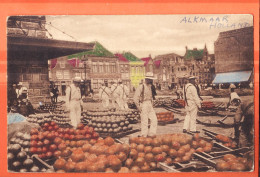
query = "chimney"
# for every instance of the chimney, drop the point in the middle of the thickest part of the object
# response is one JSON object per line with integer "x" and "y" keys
{"x": 186, "y": 48}
{"x": 195, "y": 49}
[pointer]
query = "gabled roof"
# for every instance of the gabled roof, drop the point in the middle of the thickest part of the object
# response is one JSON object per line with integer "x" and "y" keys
{"x": 121, "y": 57}
{"x": 146, "y": 60}
{"x": 98, "y": 51}
{"x": 130, "y": 57}
{"x": 196, "y": 54}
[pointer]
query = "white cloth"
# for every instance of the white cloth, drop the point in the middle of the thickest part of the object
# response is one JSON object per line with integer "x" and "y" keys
{"x": 192, "y": 105}
{"x": 122, "y": 92}
{"x": 147, "y": 111}
{"x": 113, "y": 95}
{"x": 104, "y": 94}
{"x": 190, "y": 120}
{"x": 233, "y": 96}
{"x": 20, "y": 91}
{"x": 73, "y": 104}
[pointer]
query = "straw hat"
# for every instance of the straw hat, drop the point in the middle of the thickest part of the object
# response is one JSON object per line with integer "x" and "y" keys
{"x": 149, "y": 75}
{"x": 77, "y": 79}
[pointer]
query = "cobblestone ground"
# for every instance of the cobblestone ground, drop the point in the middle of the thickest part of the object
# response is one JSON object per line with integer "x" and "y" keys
{"x": 177, "y": 127}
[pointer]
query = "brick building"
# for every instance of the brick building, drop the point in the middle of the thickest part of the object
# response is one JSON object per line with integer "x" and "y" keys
{"x": 200, "y": 64}
{"x": 169, "y": 69}
{"x": 234, "y": 55}
{"x": 234, "y": 50}
{"x": 28, "y": 51}
{"x": 97, "y": 66}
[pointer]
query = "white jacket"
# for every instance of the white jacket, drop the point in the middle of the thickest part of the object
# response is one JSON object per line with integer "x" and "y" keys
{"x": 122, "y": 91}
{"x": 104, "y": 92}
{"x": 192, "y": 98}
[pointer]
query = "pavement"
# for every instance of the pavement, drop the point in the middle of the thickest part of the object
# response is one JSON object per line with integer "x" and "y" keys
{"x": 177, "y": 127}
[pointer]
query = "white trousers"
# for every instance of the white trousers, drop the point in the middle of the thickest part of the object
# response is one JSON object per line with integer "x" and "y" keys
{"x": 148, "y": 112}
{"x": 105, "y": 102}
{"x": 190, "y": 119}
{"x": 75, "y": 113}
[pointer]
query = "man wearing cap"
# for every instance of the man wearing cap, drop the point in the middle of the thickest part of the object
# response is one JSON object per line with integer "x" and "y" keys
{"x": 143, "y": 101}
{"x": 74, "y": 101}
{"x": 122, "y": 93}
{"x": 244, "y": 124}
{"x": 21, "y": 91}
{"x": 193, "y": 102}
{"x": 234, "y": 99}
{"x": 104, "y": 94}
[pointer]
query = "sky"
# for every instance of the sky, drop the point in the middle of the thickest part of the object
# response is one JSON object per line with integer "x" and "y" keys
{"x": 145, "y": 35}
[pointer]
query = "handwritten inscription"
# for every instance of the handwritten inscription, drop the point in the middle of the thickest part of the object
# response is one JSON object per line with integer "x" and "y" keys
{"x": 214, "y": 22}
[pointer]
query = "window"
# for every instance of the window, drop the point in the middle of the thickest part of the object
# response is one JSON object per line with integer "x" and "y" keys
{"x": 78, "y": 74}
{"x": 113, "y": 67}
{"x": 132, "y": 69}
{"x": 101, "y": 69}
{"x": 59, "y": 75}
{"x": 81, "y": 64}
{"x": 121, "y": 68}
{"x": 62, "y": 64}
{"x": 66, "y": 74}
{"x": 94, "y": 67}
{"x": 106, "y": 67}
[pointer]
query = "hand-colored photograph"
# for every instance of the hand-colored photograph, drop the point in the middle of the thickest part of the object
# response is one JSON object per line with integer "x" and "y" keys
{"x": 130, "y": 93}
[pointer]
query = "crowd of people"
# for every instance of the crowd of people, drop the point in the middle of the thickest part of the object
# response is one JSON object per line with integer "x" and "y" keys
{"x": 117, "y": 94}
{"x": 18, "y": 100}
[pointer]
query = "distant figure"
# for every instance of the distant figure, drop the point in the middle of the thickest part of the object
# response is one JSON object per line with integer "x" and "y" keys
{"x": 234, "y": 99}
{"x": 251, "y": 85}
{"x": 122, "y": 93}
{"x": 55, "y": 92}
{"x": 104, "y": 94}
{"x": 21, "y": 91}
{"x": 113, "y": 95}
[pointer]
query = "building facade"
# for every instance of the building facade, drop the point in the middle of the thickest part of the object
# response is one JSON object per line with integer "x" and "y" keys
{"x": 94, "y": 67}
{"x": 200, "y": 64}
{"x": 28, "y": 51}
{"x": 169, "y": 70}
{"x": 234, "y": 50}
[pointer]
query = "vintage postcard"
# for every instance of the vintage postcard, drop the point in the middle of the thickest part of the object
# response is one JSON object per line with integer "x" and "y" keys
{"x": 145, "y": 93}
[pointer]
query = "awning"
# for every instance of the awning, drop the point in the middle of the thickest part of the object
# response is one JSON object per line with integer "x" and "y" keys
{"x": 232, "y": 77}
